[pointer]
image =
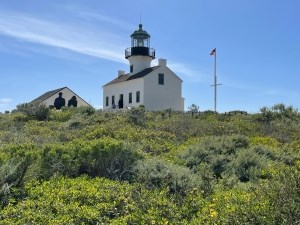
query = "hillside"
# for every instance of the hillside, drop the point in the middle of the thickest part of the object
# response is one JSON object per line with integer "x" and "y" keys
{"x": 81, "y": 166}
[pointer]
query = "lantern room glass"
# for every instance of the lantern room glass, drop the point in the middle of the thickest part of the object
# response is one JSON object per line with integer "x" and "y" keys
{"x": 140, "y": 42}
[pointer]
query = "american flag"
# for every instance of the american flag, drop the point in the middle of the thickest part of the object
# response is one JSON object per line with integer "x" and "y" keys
{"x": 213, "y": 52}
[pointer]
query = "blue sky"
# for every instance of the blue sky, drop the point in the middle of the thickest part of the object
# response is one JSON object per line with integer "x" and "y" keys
{"x": 45, "y": 45}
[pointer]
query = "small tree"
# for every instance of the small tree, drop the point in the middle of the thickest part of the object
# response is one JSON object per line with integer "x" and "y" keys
{"x": 194, "y": 109}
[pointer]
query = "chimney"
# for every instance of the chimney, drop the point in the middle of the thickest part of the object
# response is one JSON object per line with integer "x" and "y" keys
{"x": 121, "y": 72}
{"x": 162, "y": 62}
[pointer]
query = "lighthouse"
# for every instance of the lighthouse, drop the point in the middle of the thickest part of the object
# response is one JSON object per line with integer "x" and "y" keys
{"x": 154, "y": 87}
{"x": 140, "y": 54}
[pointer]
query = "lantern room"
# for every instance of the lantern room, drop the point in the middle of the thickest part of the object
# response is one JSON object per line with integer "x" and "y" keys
{"x": 140, "y": 44}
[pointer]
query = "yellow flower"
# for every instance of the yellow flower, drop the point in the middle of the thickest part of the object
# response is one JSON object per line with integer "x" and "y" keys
{"x": 213, "y": 213}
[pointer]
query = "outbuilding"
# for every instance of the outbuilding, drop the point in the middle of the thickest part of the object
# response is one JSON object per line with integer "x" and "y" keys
{"x": 60, "y": 97}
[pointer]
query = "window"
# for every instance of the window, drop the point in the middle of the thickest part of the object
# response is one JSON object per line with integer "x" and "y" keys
{"x": 112, "y": 99}
{"x": 131, "y": 68}
{"x": 106, "y": 101}
{"x": 161, "y": 79}
{"x": 130, "y": 98}
{"x": 138, "y": 96}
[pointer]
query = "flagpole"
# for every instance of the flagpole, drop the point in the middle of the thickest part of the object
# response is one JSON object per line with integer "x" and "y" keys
{"x": 214, "y": 53}
{"x": 215, "y": 80}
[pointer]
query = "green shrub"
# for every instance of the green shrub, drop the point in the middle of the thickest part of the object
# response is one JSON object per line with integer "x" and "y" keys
{"x": 136, "y": 116}
{"x": 209, "y": 148}
{"x": 247, "y": 164}
{"x": 61, "y": 115}
{"x": 37, "y": 111}
{"x": 105, "y": 157}
{"x": 155, "y": 173}
{"x": 228, "y": 158}
{"x": 88, "y": 110}
{"x": 12, "y": 174}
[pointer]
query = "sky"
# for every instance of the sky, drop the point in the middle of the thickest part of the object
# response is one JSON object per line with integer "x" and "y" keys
{"x": 45, "y": 45}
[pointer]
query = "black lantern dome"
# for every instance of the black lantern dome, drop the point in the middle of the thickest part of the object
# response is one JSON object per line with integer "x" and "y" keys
{"x": 140, "y": 44}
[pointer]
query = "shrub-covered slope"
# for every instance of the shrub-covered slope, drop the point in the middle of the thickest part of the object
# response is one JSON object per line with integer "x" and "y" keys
{"x": 81, "y": 166}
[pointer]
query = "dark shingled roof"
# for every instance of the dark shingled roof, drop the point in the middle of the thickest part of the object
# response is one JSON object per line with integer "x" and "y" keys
{"x": 47, "y": 95}
{"x": 126, "y": 77}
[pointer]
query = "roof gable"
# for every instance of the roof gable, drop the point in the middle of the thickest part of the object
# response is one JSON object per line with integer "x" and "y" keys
{"x": 127, "y": 77}
{"x": 47, "y": 95}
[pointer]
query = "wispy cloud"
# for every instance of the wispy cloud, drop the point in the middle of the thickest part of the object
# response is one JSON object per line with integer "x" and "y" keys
{"x": 102, "y": 18}
{"x": 71, "y": 37}
{"x": 94, "y": 40}
{"x": 186, "y": 70}
{"x": 88, "y": 15}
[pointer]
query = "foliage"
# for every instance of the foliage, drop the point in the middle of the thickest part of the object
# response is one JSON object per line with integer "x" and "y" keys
{"x": 90, "y": 201}
{"x": 275, "y": 202}
{"x": 60, "y": 115}
{"x": 215, "y": 151}
{"x": 136, "y": 116}
{"x": 89, "y": 110}
{"x": 104, "y": 157}
{"x": 12, "y": 174}
{"x": 34, "y": 110}
{"x": 248, "y": 164}
{"x": 86, "y": 166}
{"x": 155, "y": 173}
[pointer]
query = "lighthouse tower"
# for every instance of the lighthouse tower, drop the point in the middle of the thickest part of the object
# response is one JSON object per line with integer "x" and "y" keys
{"x": 155, "y": 87}
{"x": 139, "y": 54}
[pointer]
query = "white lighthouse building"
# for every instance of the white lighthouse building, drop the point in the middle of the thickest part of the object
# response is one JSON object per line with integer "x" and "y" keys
{"x": 157, "y": 87}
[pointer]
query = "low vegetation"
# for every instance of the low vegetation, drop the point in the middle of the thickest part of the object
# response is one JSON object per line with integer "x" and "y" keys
{"x": 82, "y": 166}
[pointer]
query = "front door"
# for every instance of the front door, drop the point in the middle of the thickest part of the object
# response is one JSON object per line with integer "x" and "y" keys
{"x": 120, "y": 103}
